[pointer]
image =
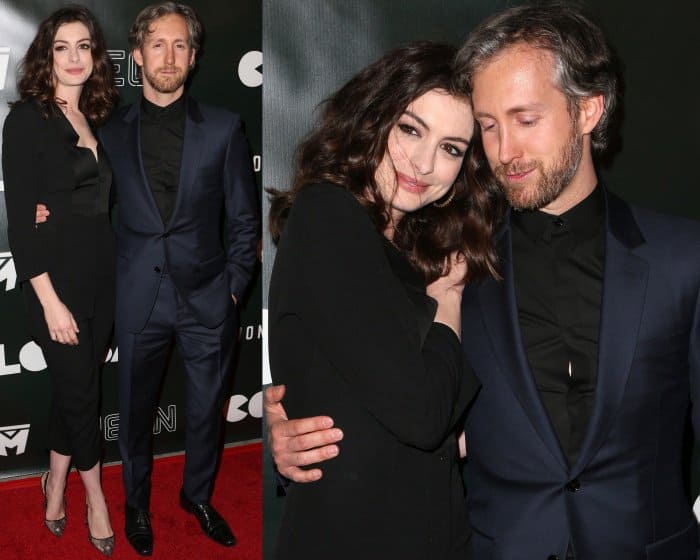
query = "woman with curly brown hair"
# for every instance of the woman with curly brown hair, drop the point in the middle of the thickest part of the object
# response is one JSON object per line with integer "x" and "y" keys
{"x": 375, "y": 241}
{"x": 51, "y": 156}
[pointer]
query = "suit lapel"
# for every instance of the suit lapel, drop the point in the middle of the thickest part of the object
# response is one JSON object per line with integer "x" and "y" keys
{"x": 132, "y": 120}
{"x": 624, "y": 290}
{"x": 500, "y": 314}
{"x": 191, "y": 151}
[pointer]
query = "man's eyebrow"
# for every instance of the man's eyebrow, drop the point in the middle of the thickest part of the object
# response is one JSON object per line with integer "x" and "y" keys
{"x": 513, "y": 110}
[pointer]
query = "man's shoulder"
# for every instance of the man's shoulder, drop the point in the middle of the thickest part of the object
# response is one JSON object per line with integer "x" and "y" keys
{"x": 213, "y": 113}
{"x": 662, "y": 225}
{"x": 117, "y": 118}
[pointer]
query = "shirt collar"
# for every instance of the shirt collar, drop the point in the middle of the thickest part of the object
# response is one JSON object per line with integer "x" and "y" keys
{"x": 153, "y": 111}
{"x": 583, "y": 220}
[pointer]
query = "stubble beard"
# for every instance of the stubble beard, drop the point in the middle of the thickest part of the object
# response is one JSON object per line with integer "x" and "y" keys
{"x": 552, "y": 181}
{"x": 165, "y": 84}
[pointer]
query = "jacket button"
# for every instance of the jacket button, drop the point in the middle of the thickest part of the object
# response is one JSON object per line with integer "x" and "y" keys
{"x": 552, "y": 557}
{"x": 166, "y": 235}
{"x": 156, "y": 269}
{"x": 574, "y": 486}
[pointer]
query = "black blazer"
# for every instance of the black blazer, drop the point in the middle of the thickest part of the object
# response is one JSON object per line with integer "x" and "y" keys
{"x": 42, "y": 163}
{"x": 351, "y": 335}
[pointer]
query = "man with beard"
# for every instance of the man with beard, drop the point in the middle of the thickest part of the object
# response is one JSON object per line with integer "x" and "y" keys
{"x": 588, "y": 350}
{"x": 178, "y": 166}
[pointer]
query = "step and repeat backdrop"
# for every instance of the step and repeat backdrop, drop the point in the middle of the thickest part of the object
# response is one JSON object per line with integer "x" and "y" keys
{"x": 313, "y": 47}
{"x": 228, "y": 74}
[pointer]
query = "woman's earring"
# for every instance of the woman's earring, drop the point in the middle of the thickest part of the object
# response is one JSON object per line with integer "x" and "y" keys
{"x": 447, "y": 201}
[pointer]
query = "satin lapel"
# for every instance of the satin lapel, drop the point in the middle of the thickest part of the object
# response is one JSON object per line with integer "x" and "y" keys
{"x": 132, "y": 120}
{"x": 624, "y": 291}
{"x": 500, "y": 315}
{"x": 191, "y": 151}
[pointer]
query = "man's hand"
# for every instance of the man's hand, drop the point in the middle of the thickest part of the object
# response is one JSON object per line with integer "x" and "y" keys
{"x": 42, "y": 213}
{"x": 297, "y": 443}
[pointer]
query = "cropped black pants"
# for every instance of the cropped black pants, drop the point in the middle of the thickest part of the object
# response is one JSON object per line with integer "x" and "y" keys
{"x": 74, "y": 374}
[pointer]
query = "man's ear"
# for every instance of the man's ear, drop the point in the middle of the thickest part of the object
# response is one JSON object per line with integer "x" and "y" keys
{"x": 137, "y": 55}
{"x": 590, "y": 110}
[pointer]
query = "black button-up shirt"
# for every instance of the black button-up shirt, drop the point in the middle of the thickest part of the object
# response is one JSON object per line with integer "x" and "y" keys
{"x": 162, "y": 137}
{"x": 558, "y": 267}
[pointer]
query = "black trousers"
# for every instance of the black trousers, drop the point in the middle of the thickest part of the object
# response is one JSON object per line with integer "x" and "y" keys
{"x": 74, "y": 373}
{"x": 207, "y": 356}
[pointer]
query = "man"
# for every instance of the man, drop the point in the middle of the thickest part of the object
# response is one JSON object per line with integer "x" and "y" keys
{"x": 588, "y": 350}
{"x": 178, "y": 165}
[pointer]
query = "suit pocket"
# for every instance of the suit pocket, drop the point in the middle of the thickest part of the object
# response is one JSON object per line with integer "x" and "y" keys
{"x": 679, "y": 546}
{"x": 212, "y": 266}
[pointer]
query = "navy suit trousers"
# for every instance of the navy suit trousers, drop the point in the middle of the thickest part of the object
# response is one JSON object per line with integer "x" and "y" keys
{"x": 207, "y": 359}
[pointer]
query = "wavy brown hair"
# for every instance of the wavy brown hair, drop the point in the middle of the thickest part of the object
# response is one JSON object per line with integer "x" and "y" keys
{"x": 350, "y": 139}
{"x": 584, "y": 63}
{"x": 36, "y": 83}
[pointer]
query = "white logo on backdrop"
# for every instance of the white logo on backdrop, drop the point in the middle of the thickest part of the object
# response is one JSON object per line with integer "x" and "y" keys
{"x": 14, "y": 437}
{"x": 234, "y": 412}
{"x": 31, "y": 358}
{"x": 5, "y": 368}
{"x": 8, "y": 274}
{"x": 249, "y": 70}
{"x": 164, "y": 419}
{"x": 117, "y": 56}
{"x": 133, "y": 76}
{"x": 4, "y": 63}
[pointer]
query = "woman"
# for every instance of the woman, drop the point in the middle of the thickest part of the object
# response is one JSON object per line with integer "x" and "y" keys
{"x": 380, "y": 208}
{"x": 50, "y": 155}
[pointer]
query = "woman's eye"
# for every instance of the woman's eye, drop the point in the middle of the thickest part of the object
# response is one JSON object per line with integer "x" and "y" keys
{"x": 453, "y": 150}
{"x": 84, "y": 46}
{"x": 408, "y": 129}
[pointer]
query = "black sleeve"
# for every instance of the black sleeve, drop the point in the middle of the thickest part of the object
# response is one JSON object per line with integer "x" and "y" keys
{"x": 21, "y": 163}
{"x": 360, "y": 317}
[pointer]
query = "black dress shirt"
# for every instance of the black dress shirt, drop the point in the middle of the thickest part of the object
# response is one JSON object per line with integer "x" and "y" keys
{"x": 162, "y": 136}
{"x": 558, "y": 268}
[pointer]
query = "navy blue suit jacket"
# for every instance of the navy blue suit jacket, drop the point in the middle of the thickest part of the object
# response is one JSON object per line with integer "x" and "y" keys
{"x": 624, "y": 497}
{"x": 215, "y": 177}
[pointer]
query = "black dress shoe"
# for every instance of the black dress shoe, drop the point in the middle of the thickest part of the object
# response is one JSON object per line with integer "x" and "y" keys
{"x": 213, "y": 525}
{"x": 138, "y": 530}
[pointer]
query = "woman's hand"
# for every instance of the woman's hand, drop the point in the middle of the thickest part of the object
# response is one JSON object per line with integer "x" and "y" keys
{"x": 447, "y": 291}
{"x": 61, "y": 324}
{"x": 59, "y": 320}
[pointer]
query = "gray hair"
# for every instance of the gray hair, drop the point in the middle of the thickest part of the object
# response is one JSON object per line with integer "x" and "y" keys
{"x": 141, "y": 27}
{"x": 584, "y": 63}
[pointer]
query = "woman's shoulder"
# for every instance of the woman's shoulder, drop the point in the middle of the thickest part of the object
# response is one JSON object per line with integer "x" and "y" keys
{"x": 25, "y": 116}
{"x": 329, "y": 214}
{"x": 328, "y": 200}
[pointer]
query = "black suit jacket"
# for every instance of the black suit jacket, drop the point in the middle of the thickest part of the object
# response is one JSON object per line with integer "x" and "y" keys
{"x": 39, "y": 165}
{"x": 351, "y": 335}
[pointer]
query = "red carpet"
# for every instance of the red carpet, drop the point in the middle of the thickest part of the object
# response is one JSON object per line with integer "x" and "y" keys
{"x": 237, "y": 496}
